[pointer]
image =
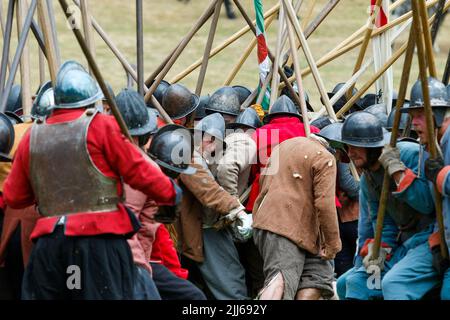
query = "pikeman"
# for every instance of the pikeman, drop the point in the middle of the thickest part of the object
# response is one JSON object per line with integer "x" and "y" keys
{"x": 409, "y": 210}
{"x": 179, "y": 103}
{"x": 226, "y": 102}
{"x": 84, "y": 226}
{"x": 424, "y": 268}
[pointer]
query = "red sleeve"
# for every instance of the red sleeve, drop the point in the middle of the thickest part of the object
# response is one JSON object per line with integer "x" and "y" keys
{"x": 17, "y": 190}
{"x": 130, "y": 164}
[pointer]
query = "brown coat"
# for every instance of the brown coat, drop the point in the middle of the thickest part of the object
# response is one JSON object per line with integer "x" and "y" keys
{"x": 298, "y": 201}
{"x": 200, "y": 190}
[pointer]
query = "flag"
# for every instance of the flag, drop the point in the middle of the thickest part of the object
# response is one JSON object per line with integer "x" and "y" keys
{"x": 263, "y": 56}
{"x": 382, "y": 51}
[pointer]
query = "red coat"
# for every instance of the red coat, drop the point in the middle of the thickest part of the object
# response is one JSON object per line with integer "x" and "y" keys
{"x": 114, "y": 156}
{"x": 164, "y": 252}
{"x": 268, "y": 137}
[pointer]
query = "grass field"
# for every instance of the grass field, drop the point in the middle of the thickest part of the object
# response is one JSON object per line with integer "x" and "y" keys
{"x": 165, "y": 23}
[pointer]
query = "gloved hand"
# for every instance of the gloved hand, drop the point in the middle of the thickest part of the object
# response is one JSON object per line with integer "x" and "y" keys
{"x": 379, "y": 262}
{"x": 433, "y": 167}
{"x": 440, "y": 264}
{"x": 390, "y": 160}
{"x": 242, "y": 227}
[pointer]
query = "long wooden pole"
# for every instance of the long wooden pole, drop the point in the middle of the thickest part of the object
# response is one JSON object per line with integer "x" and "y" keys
{"x": 42, "y": 67}
{"x": 440, "y": 13}
{"x": 48, "y": 38}
{"x": 319, "y": 82}
{"x": 24, "y": 60}
{"x": 6, "y": 46}
{"x": 419, "y": 33}
{"x": 18, "y": 55}
{"x": 207, "y": 52}
{"x": 51, "y": 15}
{"x": 395, "y": 127}
{"x": 2, "y": 26}
{"x": 236, "y": 36}
{"x": 96, "y": 71}
{"x": 140, "y": 46}
{"x": 205, "y": 16}
{"x": 87, "y": 26}
{"x": 276, "y": 62}
{"x": 271, "y": 57}
{"x": 367, "y": 36}
{"x": 334, "y": 54}
{"x": 427, "y": 37}
{"x": 294, "y": 54}
{"x": 374, "y": 78}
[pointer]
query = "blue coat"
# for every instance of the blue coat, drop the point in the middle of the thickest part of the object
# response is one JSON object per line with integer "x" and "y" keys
{"x": 415, "y": 192}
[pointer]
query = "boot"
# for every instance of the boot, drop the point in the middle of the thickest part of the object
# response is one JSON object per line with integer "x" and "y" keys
{"x": 229, "y": 8}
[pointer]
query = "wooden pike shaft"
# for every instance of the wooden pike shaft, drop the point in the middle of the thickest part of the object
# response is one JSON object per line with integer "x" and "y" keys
{"x": 333, "y": 54}
{"x": 51, "y": 14}
{"x": 429, "y": 117}
{"x": 24, "y": 60}
{"x": 395, "y": 128}
{"x": 96, "y": 71}
{"x": 2, "y": 27}
{"x": 209, "y": 42}
{"x": 271, "y": 57}
{"x": 127, "y": 66}
{"x": 290, "y": 11}
{"x": 374, "y": 78}
{"x": 440, "y": 13}
{"x": 297, "y": 71}
{"x": 204, "y": 17}
{"x": 140, "y": 46}
{"x": 222, "y": 46}
{"x": 87, "y": 26}
{"x": 17, "y": 56}
{"x": 6, "y": 46}
{"x": 246, "y": 54}
{"x": 42, "y": 67}
{"x": 48, "y": 38}
{"x": 260, "y": 98}
{"x": 365, "y": 43}
{"x": 276, "y": 62}
{"x": 427, "y": 37}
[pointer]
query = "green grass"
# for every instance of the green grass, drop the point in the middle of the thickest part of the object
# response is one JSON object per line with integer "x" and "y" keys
{"x": 166, "y": 22}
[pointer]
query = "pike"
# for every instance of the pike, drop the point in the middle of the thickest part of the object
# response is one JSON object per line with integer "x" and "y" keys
{"x": 2, "y": 27}
{"x": 96, "y": 71}
{"x": 395, "y": 128}
{"x": 17, "y": 56}
{"x": 48, "y": 38}
{"x": 140, "y": 46}
{"x": 6, "y": 46}
{"x": 24, "y": 61}
{"x": 419, "y": 32}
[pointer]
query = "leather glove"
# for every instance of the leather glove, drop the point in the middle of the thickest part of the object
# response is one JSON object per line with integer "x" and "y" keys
{"x": 433, "y": 167}
{"x": 382, "y": 257}
{"x": 440, "y": 264}
{"x": 390, "y": 160}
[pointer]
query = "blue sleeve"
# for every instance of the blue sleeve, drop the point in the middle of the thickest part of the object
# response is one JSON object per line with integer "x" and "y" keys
{"x": 347, "y": 183}
{"x": 365, "y": 228}
{"x": 415, "y": 190}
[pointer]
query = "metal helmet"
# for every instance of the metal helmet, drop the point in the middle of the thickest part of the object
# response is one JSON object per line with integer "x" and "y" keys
{"x": 243, "y": 93}
{"x": 404, "y": 119}
{"x": 14, "y": 101}
{"x": 332, "y": 132}
{"x": 321, "y": 122}
{"x": 200, "y": 113}
{"x": 362, "y": 129}
{"x": 44, "y": 102}
{"x": 153, "y": 115}
{"x": 369, "y": 100}
{"x": 134, "y": 112}
{"x": 438, "y": 94}
{"x": 179, "y": 102}
{"x": 225, "y": 101}
{"x": 247, "y": 119}
{"x": 214, "y": 125}
{"x": 6, "y": 138}
{"x": 439, "y": 99}
{"x": 283, "y": 107}
{"x": 14, "y": 118}
{"x": 379, "y": 111}
{"x": 75, "y": 88}
{"x": 172, "y": 149}
{"x": 343, "y": 100}
{"x": 286, "y": 92}
{"x": 159, "y": 93}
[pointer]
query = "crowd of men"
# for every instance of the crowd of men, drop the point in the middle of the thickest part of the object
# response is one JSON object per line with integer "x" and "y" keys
{"x": 223, "y": 204}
